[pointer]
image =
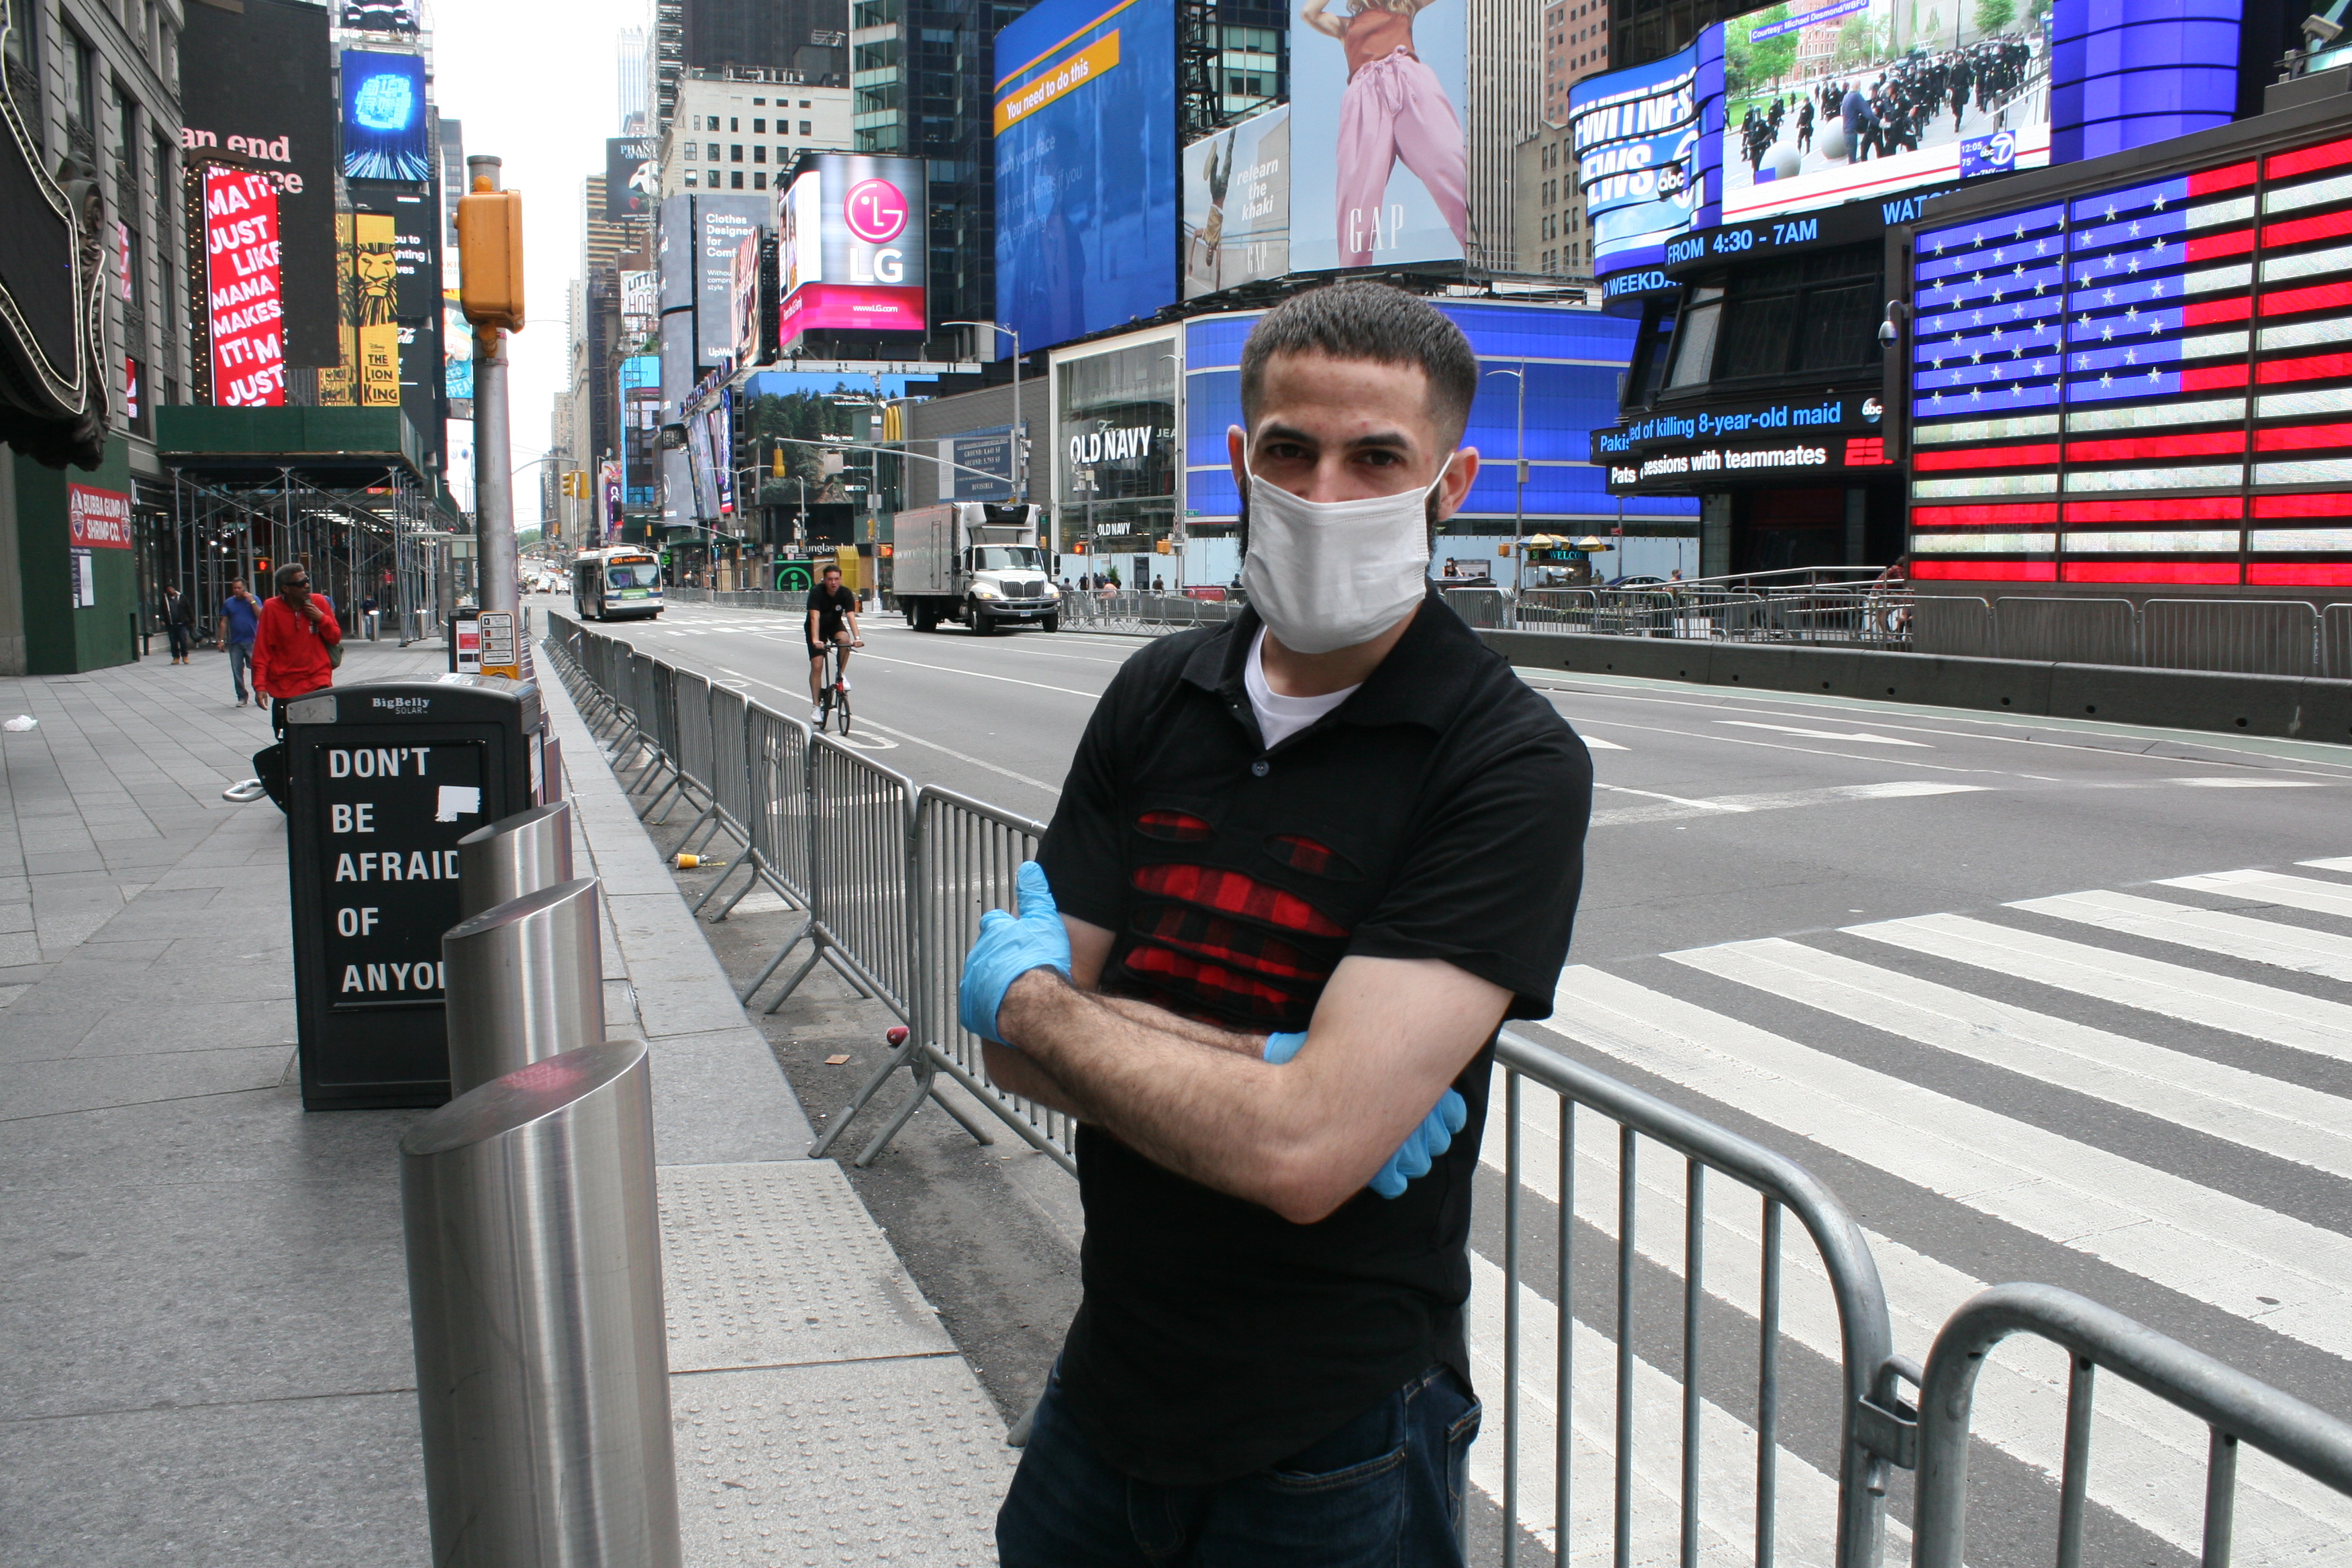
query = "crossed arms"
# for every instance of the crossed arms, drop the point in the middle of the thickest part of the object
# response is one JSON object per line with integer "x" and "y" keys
{"x": 1388, "y": 1037}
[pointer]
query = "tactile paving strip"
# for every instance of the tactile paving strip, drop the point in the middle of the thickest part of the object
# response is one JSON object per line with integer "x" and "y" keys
{"x": 780, "y": 1265}
{"x": 898, "y": 1461}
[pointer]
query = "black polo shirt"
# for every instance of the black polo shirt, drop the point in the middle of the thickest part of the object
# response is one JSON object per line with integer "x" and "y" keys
{"x": 1439, "y": 811}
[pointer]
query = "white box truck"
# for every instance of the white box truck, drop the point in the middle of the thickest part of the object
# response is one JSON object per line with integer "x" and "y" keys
{"x": 974, "y": 562}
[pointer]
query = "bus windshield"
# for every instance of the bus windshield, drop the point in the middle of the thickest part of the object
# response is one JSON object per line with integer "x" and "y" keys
{"x": 643, "y": 574}
{"x": 1007, "y": 558}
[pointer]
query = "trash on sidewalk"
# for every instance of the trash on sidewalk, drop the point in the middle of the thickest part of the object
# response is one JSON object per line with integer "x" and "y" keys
{"x": 835, "y": 1061}
{"x": 695, "y": 862}
{"x": 20, "y": 723}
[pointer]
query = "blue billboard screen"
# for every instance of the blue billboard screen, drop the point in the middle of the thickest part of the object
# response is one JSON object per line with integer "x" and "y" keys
{"x": 1086, "y": 167}
{"x": 1636, "y": 135}
{"x": 388, "y": 133}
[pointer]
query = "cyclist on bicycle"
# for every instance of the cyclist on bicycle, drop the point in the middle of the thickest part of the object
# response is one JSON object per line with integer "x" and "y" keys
{"x": 831, "y": 618}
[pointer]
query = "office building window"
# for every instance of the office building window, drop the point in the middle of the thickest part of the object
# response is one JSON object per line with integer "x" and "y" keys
{"x": 805, "y": 130}
{"x": 733, "y": 123}
{"x": 737, "y": 183}
{"x": 759, "y": 154}
{"x": 713, "y": 153}
{"x": 758, "y": 127}
{"x": 783, "y": 155}
{"x": 760, "y": 182}
{"x": 713, "y": 181}
{"x": 735, "y": 153}
{"x": 690, "y": 179}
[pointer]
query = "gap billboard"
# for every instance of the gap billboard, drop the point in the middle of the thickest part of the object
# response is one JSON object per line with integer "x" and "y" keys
{"x": 1379, "y": 166}
{"x": 1086, "y": 167}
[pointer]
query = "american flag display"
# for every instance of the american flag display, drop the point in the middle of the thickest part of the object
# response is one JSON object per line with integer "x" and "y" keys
{"x": 2147, "y": 384}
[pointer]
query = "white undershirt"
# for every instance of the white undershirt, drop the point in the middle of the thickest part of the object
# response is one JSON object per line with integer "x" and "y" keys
{"x": 1280, "y": 717}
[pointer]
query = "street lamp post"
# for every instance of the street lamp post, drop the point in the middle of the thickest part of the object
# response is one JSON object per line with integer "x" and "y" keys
{"x": 1520, "y": 500}
{"x": 1020, "y": 464}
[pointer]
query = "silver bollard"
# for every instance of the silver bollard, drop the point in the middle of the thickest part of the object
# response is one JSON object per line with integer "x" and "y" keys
{"x": 514, "y": 856}
{"x": 523, "y": 981}
{"x": 535, "y": 1292}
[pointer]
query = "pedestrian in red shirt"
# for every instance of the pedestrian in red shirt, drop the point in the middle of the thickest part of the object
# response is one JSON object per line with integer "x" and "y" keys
{"x": 290, "y": 650}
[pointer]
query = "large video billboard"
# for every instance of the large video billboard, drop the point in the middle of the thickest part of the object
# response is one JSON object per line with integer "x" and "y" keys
{"x": 257, "y": 92}
{"x": 1379, "y": 166}
{"x": 1237, "y": 204}
{"x": 1636, "y": 135}
{"x": 1827, "y": 100}
{"x": 2116, "y": 421}
{"x": 1086, "y": 167}
{"x": 852, "y": 246}
{"x": 387, "y": 134}
{"x": 241, "y": 267}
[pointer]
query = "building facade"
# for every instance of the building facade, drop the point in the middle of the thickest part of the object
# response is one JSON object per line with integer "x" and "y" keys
{"x": 739, "y": 128}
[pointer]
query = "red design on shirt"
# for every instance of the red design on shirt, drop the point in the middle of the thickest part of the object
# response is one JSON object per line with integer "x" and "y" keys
{"x": 1234, "y": 893}
{"x": 1176, "y": 827}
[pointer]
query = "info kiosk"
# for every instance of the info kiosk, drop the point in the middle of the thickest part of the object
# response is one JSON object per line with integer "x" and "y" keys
{"x": 385, "y": 778}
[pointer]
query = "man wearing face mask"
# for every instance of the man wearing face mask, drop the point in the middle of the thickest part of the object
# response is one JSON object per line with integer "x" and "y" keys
{"x": 1304, "y": 865}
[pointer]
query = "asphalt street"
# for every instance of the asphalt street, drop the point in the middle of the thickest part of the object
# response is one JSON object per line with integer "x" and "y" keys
{"x": 2039, "y": 1000}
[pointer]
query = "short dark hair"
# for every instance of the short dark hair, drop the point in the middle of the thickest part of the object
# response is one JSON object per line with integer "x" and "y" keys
{"x": 829, "y": 569}
{"x": 291, "y": 570}
{"x": 1364, "y": 320}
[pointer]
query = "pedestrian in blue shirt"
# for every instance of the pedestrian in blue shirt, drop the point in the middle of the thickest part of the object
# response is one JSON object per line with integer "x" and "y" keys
{"x": 240, "y": 619}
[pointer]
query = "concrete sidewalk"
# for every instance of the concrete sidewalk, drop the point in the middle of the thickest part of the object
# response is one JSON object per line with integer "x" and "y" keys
{"x": 203, "y": 1295}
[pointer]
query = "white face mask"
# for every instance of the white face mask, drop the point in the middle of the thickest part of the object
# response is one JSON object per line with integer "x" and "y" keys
{"x": 1324, "y": 575}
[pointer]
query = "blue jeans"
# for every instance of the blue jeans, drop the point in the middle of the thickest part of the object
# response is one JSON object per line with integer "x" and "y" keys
{"x": 1384, "y": 1489}
{"x": 240, "y": 654}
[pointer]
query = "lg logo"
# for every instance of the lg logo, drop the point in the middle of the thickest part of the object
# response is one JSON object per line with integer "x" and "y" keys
{"x": 876, "y": 211}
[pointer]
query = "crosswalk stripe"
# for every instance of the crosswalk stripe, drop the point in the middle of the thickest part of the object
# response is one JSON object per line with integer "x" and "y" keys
{"x": 2296, "y": 892}
{"x": 2215, "y": 1001}
{"x": 2341, "y": 863}
{"x": 2223, "y": 1101}
{"x": 1805, "y": 1524}
{"x": 2208, "y": 930}
{"x": 2206, "y": 1245}
{"x": 2151, "y": 1457}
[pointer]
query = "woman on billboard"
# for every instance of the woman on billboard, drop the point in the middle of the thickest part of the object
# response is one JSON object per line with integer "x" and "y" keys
{"x": 1394, "y": 109}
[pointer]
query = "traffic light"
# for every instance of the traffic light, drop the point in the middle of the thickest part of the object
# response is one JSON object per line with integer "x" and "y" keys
{"x": 490, "y": 257}
{"x": 778, "y": 469}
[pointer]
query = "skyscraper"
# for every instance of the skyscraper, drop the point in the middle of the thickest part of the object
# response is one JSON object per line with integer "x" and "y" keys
{"x": 637, "y": 82}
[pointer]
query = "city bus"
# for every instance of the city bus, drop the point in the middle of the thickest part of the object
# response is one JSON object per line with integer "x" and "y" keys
{"x": 621, "y": 583}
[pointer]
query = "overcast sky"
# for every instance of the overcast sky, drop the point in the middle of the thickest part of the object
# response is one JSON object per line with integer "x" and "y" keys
{"x": 539, "y": 86}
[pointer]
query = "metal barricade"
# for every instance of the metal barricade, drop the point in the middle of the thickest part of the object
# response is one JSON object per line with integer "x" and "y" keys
{"x": 1957, "y": 625}
{"x": 730, "y": 778}
{"x": 966, "y": 856}
{"x": 860, "y": 832}
{"x": 2066, "y": 631}
{"x": 2236, "y": 1409}
{"x": 1842, "y": 1525}
{"x": 2336, "y": 642}
{"x": 1489, "y": 609}
{"x": 2247, "y": 636}
{"x": 1556, "y": 610}
{"x": 690, "y": 719}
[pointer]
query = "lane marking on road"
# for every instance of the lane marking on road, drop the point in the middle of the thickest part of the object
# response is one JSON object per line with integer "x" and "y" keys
{"x": 1014, "y": 646}
{"x": 1578, "y": 722}
{"x": 1674, "y": 806}
{"x": 2249, "y": 784}
{"x": 983, "y": 674}
{"x": 1861, "y": 736}
{"x": 2298, "y": 948}
{"x": 2277, "y": 888}
{"x": 931, "y": 745}
{"x": 1595, "y": 743}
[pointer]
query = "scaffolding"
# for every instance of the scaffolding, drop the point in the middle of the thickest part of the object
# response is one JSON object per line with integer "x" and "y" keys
{"x": 365, "y": 517}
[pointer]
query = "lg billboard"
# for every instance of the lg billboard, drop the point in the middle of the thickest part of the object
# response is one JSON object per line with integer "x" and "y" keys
{"x": 852, "y": 246}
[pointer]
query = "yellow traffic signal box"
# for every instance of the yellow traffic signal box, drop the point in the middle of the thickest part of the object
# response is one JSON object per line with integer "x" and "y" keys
{"x": 490, "y": 257}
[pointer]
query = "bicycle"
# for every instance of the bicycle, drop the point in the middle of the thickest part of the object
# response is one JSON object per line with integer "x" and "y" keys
{"x": 832, "y": 697}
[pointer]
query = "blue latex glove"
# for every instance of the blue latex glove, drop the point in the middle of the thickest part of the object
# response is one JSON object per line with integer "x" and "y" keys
{"x": 1009, "y": 948}
{"x": 1421, "y": 1147}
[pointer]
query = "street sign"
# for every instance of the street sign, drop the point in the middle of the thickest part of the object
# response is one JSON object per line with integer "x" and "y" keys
{"x": 499, "y": 655}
